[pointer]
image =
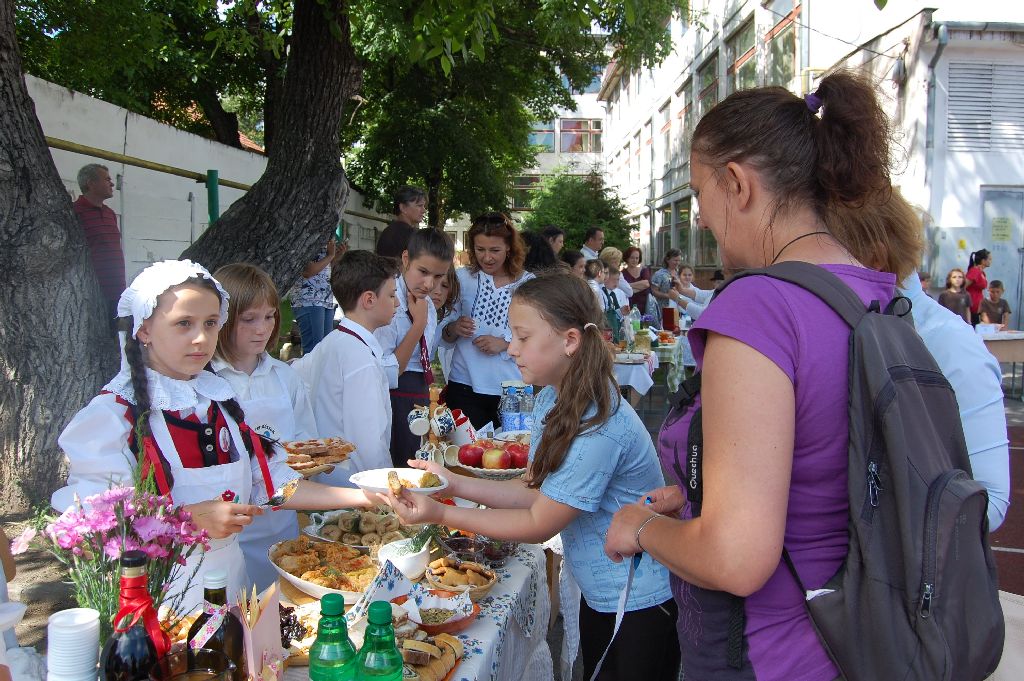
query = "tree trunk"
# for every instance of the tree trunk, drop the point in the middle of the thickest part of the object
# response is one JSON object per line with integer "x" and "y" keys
{"x": 290, "y": 211}
{"x": 55, "y": 346}
{"x": 435, "y": 211}
{"x": 224, "y": 123}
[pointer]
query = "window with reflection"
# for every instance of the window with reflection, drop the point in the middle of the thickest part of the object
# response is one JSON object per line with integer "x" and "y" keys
{"x": 580, "y": 135}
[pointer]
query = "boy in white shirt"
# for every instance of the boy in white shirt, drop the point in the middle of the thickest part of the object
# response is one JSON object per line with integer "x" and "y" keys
{"x": 347, "y": 383}
{"x": 612, "y": 297}
{"x": 409, "y": 340}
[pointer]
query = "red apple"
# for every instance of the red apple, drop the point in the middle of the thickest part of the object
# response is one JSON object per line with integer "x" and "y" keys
{"x": 497, "y": 458}
{"x": 520, "y": 454}
{"x": 471, "y": 455}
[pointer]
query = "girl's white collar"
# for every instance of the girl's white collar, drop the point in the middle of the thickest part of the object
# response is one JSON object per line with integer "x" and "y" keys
{"x": 170, "y": 393}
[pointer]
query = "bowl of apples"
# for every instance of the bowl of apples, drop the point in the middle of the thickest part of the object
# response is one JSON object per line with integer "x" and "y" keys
{"x": 493, "y": 459}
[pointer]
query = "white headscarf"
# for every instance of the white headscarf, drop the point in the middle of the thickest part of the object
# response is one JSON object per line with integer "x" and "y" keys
{"x": 139, "y": 300}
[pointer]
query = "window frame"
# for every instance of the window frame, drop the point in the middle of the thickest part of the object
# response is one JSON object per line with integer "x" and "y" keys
{"x": 707, "y": 95}
{"x": 589, "y": 134}
{"x": 521, "y": 188}
{"x": 740, "y": 63}
{"x": 781, "y": 30}
{"x": 549, "y": 128}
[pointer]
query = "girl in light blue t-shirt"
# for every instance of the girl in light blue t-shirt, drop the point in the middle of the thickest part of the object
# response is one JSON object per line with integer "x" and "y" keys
{"x": 590, "y": 455}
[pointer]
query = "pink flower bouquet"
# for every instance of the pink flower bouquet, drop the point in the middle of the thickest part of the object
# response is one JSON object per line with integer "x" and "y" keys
{"x": 91, "y": 536}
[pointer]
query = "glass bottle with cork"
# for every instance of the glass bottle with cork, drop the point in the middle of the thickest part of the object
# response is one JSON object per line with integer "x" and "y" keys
{"x": 332, "y": 657}
{"x": 379, "y": 659}
{"x": 217, "y": 628}
{"x": 138, "y": 641}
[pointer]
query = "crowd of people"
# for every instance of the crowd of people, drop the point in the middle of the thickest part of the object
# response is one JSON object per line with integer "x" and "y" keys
{"x": 201, "y": 403}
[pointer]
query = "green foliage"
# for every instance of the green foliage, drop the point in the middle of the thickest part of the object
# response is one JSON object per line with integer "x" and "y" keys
{"x": 167, "y": 59}
{"x": 576, "y": 202}
{"x": 450, "y": 86}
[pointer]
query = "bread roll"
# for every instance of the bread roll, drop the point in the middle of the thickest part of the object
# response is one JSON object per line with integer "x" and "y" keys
{"x": 368, "y": 522}
{"x": 332, "y": 532}
{"x": 349, "y": 522}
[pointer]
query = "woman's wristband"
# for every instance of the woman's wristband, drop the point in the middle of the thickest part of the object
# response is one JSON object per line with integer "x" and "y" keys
{"x": 641, "y": 529}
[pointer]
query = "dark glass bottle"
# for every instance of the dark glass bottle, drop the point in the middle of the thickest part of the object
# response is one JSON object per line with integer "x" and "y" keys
{"x": 228, "y": 638}
{"x": 332, "y": 656}
{"x": 379, "y": 658}
{"x": 129, "y": 655}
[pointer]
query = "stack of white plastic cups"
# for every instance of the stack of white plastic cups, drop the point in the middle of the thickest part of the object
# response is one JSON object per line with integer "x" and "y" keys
{"x": 72, "y": 645}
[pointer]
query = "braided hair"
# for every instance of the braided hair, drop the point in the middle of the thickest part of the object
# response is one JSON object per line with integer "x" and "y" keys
{"x": 140, "y": 386}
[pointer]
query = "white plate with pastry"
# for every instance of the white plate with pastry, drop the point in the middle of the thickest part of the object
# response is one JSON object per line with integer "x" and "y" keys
{"x": 379, "y": 480}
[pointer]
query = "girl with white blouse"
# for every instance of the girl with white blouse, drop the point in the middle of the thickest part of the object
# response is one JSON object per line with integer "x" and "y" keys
{"x": 269, "y": 391}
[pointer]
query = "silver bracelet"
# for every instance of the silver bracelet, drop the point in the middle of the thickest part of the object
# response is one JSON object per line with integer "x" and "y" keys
{"x": 641, "y": 529}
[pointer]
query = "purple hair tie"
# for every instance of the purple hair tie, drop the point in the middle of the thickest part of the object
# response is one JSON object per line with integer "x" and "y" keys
{"x": 813, "y": 102}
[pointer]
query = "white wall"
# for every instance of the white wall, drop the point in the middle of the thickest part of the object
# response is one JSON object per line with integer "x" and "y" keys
{"x": 159, "y": 214}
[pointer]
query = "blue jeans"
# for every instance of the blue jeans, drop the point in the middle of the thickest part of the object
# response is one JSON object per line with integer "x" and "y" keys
{"x": 315, "y": 322}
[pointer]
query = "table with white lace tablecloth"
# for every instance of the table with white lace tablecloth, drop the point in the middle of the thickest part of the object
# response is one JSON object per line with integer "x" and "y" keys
{"x": 507, "y": 642}
{"x": 637, "y": 375}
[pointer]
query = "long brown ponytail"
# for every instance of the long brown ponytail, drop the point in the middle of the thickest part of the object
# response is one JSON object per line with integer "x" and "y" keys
{"x": 837, "y": 164}
{"x": 565, "y": 302}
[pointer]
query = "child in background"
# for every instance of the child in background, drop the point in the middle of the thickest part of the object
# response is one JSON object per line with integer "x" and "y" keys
{"x": 269, "y": 391}
{"x": 575, "y": 261}
{"x": 445, "y": 296}
{"x": 345, "y": 375}
{"x": 595, "y": 272}
{"x": 954, "y": 297}
{"x": 612, "y": 297}
{"x": 409, "y": 340}
{"x": 589, "y": 454}
{"x": 194, "y": 439}
{"x": 995, "y": 309}
{"x": 693, "y": 300}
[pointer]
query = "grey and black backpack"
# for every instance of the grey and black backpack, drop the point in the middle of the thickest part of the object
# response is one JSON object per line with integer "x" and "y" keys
{"x": 916, "y": 597}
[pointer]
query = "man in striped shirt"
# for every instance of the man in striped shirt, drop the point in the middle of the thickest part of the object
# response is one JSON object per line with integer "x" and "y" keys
{"x": 101, "y": 232}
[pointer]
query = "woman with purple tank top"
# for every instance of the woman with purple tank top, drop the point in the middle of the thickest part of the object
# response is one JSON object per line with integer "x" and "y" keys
{"x": 778, "y": 177}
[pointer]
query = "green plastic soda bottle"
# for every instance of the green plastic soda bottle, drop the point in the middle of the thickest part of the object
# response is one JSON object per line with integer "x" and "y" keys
{"x": 379, "y": 658}
{"x": 332, "y": 656}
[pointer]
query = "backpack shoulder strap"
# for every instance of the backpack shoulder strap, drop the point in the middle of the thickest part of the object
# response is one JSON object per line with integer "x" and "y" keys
{"x": 819, "y": 281}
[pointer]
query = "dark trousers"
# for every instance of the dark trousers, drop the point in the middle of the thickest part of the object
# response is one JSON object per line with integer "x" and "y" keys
{"x": 646, "y": 646}
{"x": 411, "y": 391}
{"x": 479, "y": 409}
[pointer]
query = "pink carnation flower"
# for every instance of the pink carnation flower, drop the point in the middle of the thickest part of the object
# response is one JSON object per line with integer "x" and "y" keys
{"x": 155, "y": 551}
{"x": 150, "y": 528}
{"x": 21, "y": 542}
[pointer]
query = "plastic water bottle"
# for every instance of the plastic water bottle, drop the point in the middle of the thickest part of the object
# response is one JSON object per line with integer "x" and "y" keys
{"x": 508, "y": 408}
{"x": 379, "y": 659}
{"x": 333, "y": 655}
{"x": 526, "y": 409}
{"x": 634, "y": 319}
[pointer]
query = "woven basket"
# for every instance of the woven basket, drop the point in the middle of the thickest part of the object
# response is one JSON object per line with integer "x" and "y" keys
{"x": 476, "y": 593}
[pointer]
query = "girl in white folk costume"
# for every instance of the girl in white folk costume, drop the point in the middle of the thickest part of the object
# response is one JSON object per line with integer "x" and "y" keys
{"x": 194, "y": 438}
{"x": 269, "y": 391}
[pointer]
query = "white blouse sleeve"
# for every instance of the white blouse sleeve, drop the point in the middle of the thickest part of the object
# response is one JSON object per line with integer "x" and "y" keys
{"x": 305, "y": 423}
{"x": 96, "y": 446}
